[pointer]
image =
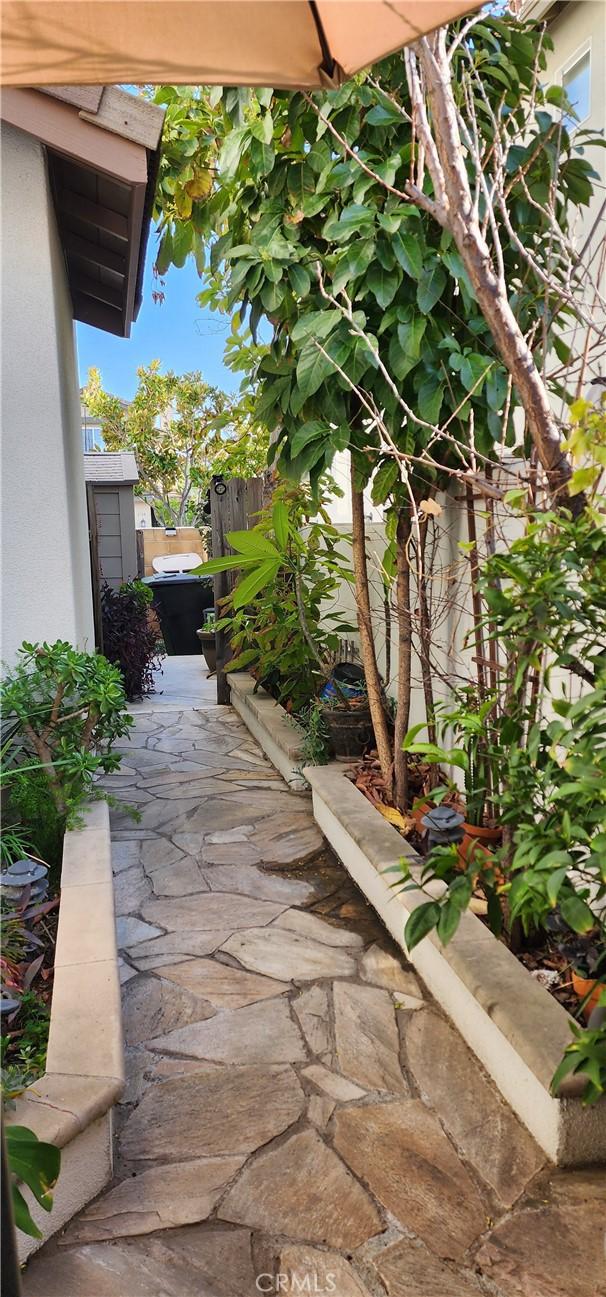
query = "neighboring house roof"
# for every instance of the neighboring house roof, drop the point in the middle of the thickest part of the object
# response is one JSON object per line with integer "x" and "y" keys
{"x": 111, "y": 468}
{"x": 103, "y": 148}
{"x": 541, "y": 10}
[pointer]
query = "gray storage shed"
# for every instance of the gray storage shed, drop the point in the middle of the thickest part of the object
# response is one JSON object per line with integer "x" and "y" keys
{"x": 110, "y": 478}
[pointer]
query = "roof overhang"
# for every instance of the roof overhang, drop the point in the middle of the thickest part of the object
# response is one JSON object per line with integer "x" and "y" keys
{"x": 102, "y": 146}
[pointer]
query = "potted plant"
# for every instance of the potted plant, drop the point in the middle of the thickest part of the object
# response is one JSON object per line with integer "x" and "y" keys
{"x": 208, "y": 640}
{"x": 345, "y": 711}
{"x": 290, "y": 569}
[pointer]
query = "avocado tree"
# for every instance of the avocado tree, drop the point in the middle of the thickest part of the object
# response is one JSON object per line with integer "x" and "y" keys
{"x": 379, "y": 337}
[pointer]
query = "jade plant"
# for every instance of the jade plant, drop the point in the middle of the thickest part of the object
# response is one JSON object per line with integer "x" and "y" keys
{"x": 68, "y": 708}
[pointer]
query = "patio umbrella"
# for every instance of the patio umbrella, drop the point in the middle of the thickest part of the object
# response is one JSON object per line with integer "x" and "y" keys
{"x": 278, "y": 43}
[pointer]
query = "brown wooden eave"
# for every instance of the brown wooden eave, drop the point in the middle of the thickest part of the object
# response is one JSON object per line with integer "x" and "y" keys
{"x": 103, "y": 151}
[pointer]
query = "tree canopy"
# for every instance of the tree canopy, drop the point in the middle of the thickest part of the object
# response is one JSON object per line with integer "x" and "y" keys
{"x": 306, "y": 210}
{"x": 182, "y": 431}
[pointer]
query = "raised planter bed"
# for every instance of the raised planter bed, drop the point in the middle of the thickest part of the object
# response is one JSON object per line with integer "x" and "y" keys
{"x": 513, "y": 1025}
{"x": 71, "y": 1105}
{"x": 279, "y": 736}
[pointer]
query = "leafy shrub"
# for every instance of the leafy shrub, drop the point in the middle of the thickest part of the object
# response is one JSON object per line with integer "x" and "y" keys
{"x": 276, "y": 615}
{"x": 68, "y": 709}
{"x": 36, "y": 1164}
{"x": 129, "y": 640}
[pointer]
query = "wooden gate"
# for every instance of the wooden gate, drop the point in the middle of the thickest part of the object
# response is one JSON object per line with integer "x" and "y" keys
{"x": 234, "y": 506}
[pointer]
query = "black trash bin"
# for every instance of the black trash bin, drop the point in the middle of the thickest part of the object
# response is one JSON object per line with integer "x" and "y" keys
{"x": 181, "y": 600}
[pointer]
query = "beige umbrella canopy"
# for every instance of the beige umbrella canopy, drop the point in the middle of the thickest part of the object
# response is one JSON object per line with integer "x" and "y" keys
{"x": 280, "y": 43}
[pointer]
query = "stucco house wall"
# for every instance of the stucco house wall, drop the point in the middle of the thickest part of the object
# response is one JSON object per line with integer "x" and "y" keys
{"x": 46, "y": 590}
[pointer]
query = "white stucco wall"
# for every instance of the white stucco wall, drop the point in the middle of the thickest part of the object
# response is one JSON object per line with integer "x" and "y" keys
{"x": 46, "y": 591}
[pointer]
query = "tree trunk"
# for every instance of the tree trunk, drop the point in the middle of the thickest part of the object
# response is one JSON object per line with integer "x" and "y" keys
{"x": 367, "y": 644}
{"x": 425, "y": 631}
{"x": 404, "y": 659}
{"x": 489, "y": 287}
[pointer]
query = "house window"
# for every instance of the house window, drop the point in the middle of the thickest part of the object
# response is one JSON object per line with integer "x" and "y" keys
{"x": 93, "y": 438}
{"x": 577, "y": 84}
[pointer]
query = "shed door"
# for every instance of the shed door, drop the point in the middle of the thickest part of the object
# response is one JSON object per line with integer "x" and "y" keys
{"x": 109, "y": 536}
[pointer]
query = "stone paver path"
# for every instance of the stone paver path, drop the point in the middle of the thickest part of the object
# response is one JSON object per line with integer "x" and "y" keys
{"x": 295, "y": 1105}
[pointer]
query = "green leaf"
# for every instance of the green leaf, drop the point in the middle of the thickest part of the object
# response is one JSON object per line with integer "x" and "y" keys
{"x": 229, "y": 156}
{"x": 577, "y": 913}
{"x": 450, "y": 917}
{"x": 227, "y": 563}
{"x": 280, "y": 523}
{"x": 400, "y": 362}
{"x": 383, "y": 284}
{"x": 301, "y": 437}
{"x": 554, "y": 883}
{"x": 312, "y": 369}
{"x": 242, "y": 660}
{"x": 430, "y": 288}
{"x": 473, "y": 370}
{"x": 252, "y": 543}
{"x": 356, "y": 218}
{"x": 272, "y": 296}
{"x": 410, "y": 336}
{"x": 384, "y": 114}
{"x": 255, "y": 581}
{"x": 300, "y": 280}
{"x": 429, "y": 401}
{"x": 422, "y": 921}
{"x": 182, "y": 243}
{"x": 165, "y": 252}
{"x": 23, "y": 1219}
{"x": 317, "y": 324}
{"x": 353, "y": 263}
{"x": 384, "y": 480}
{"x": 409, "y": 254}
{"x": 33, "y": 1163}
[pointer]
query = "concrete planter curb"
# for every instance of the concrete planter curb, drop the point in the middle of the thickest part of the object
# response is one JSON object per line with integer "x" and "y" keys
{"x": 71, "y": 1105}
{"x": 279, "y": 736}
{"x": 513, "y": 1025}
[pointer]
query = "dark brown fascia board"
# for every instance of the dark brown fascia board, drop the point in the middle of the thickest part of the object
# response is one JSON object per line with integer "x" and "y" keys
{"x": 136, "y": 253}
{"x": 60, "y": 127}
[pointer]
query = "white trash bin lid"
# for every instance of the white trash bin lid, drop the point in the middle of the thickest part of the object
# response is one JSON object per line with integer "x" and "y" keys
{"x": 176, "y": 562}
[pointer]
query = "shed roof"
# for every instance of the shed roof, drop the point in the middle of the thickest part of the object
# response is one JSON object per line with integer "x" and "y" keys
{"x": 111, "y": 468}
{"x": 103, "y": 148}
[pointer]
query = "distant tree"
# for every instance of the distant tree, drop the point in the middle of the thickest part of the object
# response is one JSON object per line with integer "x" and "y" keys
{"x": 182, "y": 431}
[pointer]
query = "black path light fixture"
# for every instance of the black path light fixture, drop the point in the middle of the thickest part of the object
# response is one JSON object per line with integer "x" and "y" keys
{"x": 444, "y": 826}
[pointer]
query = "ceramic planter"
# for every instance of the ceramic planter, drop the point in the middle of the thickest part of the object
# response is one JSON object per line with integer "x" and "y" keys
{"x": 209, "y": 648}
{"x": 349, "y": 729}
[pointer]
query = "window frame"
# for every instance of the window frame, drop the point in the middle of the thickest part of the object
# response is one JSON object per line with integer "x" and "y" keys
{"x": 582, "y": 50}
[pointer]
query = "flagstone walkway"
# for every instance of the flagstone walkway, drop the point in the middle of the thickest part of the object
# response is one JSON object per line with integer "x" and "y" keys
{"x": 298, "y": 1116}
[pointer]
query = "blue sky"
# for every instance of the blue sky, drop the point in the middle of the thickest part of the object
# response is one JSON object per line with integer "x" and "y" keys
{"x": 177, "y": 332}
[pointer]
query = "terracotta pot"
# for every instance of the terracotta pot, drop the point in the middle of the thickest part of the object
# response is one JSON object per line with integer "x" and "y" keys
{"x": 582, "y": 986}
{"x": 419, "y": 813}
{"x": 477, "y": 843}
